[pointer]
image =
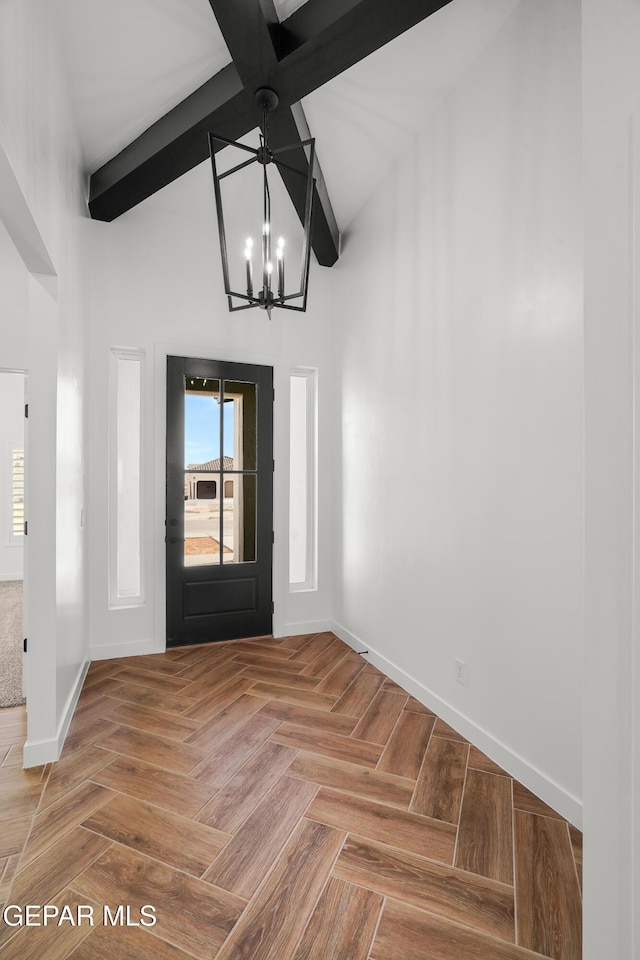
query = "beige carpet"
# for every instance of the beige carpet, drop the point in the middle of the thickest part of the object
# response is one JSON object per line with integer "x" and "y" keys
{"x": 11, "y": 643}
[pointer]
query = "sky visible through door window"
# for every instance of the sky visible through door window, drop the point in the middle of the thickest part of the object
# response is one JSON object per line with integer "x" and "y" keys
{"x": 202, "y": 430}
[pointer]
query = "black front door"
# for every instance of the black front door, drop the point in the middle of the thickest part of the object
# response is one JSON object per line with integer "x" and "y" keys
{"x": 219, "y": 500}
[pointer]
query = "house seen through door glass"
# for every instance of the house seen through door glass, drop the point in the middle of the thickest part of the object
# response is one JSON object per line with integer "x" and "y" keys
{"x": 219, "y": 479}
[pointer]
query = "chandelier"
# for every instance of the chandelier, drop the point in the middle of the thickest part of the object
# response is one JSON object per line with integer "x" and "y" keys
{"x": 263, "y": 273}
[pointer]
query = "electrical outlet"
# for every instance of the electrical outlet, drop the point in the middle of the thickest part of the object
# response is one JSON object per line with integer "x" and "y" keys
{"x": 460, "y": 671}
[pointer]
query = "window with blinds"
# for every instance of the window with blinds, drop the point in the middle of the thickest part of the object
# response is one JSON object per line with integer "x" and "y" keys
{"x": 17, "y": 492}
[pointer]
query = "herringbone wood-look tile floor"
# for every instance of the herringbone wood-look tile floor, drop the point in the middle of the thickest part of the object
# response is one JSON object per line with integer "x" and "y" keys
{"x": 279, "y": 800}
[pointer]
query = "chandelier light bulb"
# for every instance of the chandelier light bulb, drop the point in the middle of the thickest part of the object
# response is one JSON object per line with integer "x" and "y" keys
{"x": 266, "y": 229}
{"x": 248, "y": 252}
{"x": 269, "y": 267}
{"x": 249, "y": 242}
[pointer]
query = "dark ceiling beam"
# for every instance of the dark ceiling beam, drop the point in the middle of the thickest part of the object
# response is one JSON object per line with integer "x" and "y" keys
{"x": 172, "y": 146}
{"x": 316, "y": 43}
{"x": 323, "y": 38}
{"x": 251, "y": 32}
{"x": 290, "y": 126}
{"x": 252, "y": 42}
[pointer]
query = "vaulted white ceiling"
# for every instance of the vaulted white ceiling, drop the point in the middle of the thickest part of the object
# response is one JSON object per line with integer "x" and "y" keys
{"x": 130, "y": 61}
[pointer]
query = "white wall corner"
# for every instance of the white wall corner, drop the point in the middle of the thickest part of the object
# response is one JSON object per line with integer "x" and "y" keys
{"x": 38, "y": 752}
{"x": 546, "y": 789}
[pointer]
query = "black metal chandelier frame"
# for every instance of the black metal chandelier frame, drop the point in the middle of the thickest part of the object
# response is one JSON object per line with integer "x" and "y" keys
{"x": 265, "y": 297}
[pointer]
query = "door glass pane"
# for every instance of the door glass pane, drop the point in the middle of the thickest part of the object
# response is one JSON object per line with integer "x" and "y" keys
{"x": 202, "y": 449}
{"x": 201, "y": 518}
{"x": 239, "y": 518}
{"x": 240, "y": 424}
{"x": 202, "y": 441}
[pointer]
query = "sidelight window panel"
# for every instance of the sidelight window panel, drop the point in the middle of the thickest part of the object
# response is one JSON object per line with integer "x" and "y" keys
{"x": 302, "y": 479}
{"x": 126, "y": 477}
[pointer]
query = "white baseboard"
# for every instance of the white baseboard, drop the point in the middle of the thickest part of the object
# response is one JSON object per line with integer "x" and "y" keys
{"x": 11, "y": 576}
{"x": 109, "y": 651}
{"x": 305, "y": 626}
{"x": 548, "y": 790}
{"x": 38, "y": 752}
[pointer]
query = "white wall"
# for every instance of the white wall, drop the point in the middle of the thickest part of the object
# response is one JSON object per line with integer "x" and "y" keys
{"x": 156, "y": 285}
{"x": 11, "y": 437}
{"x": 611, "y": 91}
{"x": 459, "y": 324}
{"x": 41, "y": 203}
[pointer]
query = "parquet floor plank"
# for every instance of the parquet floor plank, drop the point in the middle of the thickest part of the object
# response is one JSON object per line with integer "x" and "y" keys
{"x": 242, "y": 865}
{"x": 351, "y": 778}
{"x": 485, "y": 838}
{"x": 378, "y": 821}
{"x": 342, "y": 925}
{"x": 13, "y": 834}
{"x": 358, "y": 695}
{"x": 225, "y": 723}
{"x": 412, "y": 934}
{"x": 209, "y": 683}
{"x": 155, "y": 663}
{"x": 340, "y": 678}
{"x": 308, "y": 716}
{"x": 87, "y": 736}
{"x": 405, "y": 748}
{"x": 58, "y": 867}
{"x": 167, "y": 725}
{"x": 414, "y": 706}
{"x": 438, "y": 791}
{"x": 526, "y": 801}
{"x": 278, "y": 799}
{"x": 19, "y": 794}
{"x": 177, "y": 757}
{"x": 128, "y": 943}
{"x": 145, "y": 828}
{"x": 545, "y": 876}
{"x": 479, "y": 761}
{"x": 262, "y": 660}
{"x": 274, "y": 675}
{"x": 10, "y": 734}
{"x": 272, "y": 924}
{"x": 59, "y": 818}
{"x": 327, "y": 744}
{"x": 101, "y": 688}
{"x": 150, "y": 679}
{"x": 191, "y": 914}
{"x": 13, "y": 757}
{"x": 380, "y": 717}
{"x": 275, "y": 651}
{"x": 143, "y": 780}
{"x": 576, "y": 845}
{"x": 307, "y": 652}
{"x": 211, "y": 705}
{"x": 442, "y": 729}
{"x": 221, "y": 764}
{"x": 100, "y": 707}
{"x": 290, "y": 694}
{"x": 237, "y": 799}
{"x": 326, "y": 660}
{"x": 142, "y": 696}
{"x": 448, "y": 893}
{"x": 296, "y": 641}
